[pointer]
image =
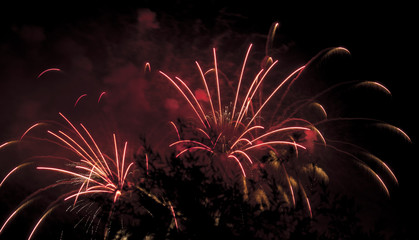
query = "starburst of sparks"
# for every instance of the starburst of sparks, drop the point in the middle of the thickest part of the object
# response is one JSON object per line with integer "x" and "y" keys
{"x": 95, "y": 172}
{"x": 232, "y": 134}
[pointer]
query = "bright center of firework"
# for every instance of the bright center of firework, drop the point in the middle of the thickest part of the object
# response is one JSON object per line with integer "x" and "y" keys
{"x": 223, "y": 134}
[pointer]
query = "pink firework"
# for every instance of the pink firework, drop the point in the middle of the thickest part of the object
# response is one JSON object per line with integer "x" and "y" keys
{"x": 95, "y": 173}
{"x": 102, "y": 174}
{"x": 234, "y": 131}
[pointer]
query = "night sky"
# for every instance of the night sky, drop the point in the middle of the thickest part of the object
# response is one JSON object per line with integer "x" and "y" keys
{"x": 103, "y": 47}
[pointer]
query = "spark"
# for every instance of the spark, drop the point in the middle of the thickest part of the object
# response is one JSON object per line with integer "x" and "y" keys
{"x": 383, "y": 185}
{"x": 318, "y": 105}
{"x": 289, "y": 184}
{"x": 376, "y": 85}
{"x": 395, "y": 129}
{"x": 146, "y": 163}
{"x": 79, "y": 98}
{"x": 385, "y": 166}
{"x": 12, "y": 171}
{"x": 174, "y": 215}
{"x": 275, "y": 143}
{"x": 40, "y": 221}
{"x": 29, "y": 129}
{"x": 7, "y": 143}
{"x": 309, "y": 206}
{"x": 271, "y": 37}
{"x": 23, "y": 205}
{"x": 100, "y": 96}
{"x": 239, "y": 163}
{"x": 240, "y": 79}
{"x": 363, "y": 165}
{"x": 147, "y": 67}
{"x": 48, "y": 70}
{"x": 176, "y": 129}
{"x": 218, "y": 81}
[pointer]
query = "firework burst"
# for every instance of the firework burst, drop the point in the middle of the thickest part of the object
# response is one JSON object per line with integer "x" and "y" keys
{"x": 231, "y": 132}
{"x": 95, "y": 174}
{"x": 237, "y": 129}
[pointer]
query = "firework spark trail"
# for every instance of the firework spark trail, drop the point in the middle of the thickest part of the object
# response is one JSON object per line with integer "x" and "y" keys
{"x": 79, "y": 98}
{"x": 375, "y": 85}
{"x": 40, "y": 221}
{"x": 23, "y": 205}
{"x": 101, "y": 95}
{"x": 364, "y": 166}
{"x": 48, "y": 70}
{"x": 29, "y": 129}
{"x": 12, "y": 171}
{"x": 3, "y": 145}
{"x": 146, "y": 163}
{"x": 240, "y": 79}
{"x": 174, "y": 215}
{"x": 31, "y": 198}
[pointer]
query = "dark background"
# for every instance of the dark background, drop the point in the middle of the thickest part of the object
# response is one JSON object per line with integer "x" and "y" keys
{"x": 381, "y": 37}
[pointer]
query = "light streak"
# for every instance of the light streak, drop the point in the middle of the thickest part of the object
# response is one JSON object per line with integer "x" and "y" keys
{"x": 146, "y": 163}
{"x": 376, "y": 85}
{"x": 174, "y": 216}
{"x": 238, "y": 162}
{"x": 217, "y": 81}
{"x": 48, "y": 70}
{"x": 100, "y": 96}
{"x": 12, "y": 171}
{"x": 40, "y": 221}
{"x": 240, "y": 79}
{"x": 21, "y": 206}
{"x": 206, "y": 88}
{"x": 29, "y": 129}
{"x": 8, "y": 143}
{"x": 79, "y": 98}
